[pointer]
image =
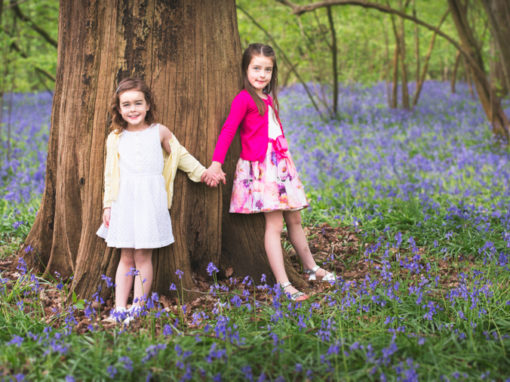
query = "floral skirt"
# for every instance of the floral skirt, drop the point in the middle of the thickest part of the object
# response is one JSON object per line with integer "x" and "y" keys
{"x": 267, "y": 186}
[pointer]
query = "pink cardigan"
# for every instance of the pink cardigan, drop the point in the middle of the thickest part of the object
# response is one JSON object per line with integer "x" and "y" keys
{"x": 254, "y": 129}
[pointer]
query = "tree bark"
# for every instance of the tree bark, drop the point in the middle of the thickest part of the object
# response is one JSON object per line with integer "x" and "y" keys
{"x": 334, "y": 64}
{"x": 489, "y": 100}
{"x": 189, "y": 54}
{"x": 4, "y": 62}
{"x": 394, "y": 82}
{"x": 498, "y": 12}
{"x": 454, "y": 74}
{"x": 416, "y": 47}
{"x": 400, "y": 34}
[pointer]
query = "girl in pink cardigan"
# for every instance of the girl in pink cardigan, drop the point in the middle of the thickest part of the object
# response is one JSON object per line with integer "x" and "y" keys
{"x": 266, "y": 179}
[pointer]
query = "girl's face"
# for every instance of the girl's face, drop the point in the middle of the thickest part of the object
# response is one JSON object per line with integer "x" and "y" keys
{"x": 259, "y": 73}
{"x": 133, "y": 108}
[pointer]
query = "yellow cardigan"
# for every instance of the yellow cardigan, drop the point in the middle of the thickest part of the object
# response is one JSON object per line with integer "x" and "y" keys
{"x": 179, "y": 158}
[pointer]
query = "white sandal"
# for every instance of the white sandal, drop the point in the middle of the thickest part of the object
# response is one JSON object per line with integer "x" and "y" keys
{"x": 297, "y": 296}
{"x": 312, "y": 275}
{"x": 116, "y": 315}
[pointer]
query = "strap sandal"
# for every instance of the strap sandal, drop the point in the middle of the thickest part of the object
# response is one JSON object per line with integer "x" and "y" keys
{"x": 116, "y": 315}
{"x": 132, "y": 313}
{"x": 312, "y": 275}
{"x": 297, "y": 296}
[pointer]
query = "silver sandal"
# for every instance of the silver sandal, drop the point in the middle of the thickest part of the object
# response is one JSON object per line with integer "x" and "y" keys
{"x": 312, "y": 275}
{"x": 297, "y": 296}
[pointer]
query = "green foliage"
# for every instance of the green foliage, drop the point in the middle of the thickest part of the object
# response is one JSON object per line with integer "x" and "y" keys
{"x": 364, "y": 36}
{"x": 365, "y": 41}
{"x": 15, "y": 223}
{"x": 25, "y": 54}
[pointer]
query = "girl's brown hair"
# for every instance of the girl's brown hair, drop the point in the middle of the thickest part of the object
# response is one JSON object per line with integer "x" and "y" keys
{"x": 118, "y": 123}
{"x": 272, "y": 87}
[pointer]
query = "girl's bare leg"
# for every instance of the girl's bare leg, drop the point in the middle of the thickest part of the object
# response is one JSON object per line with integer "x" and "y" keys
{"x": 124, "y": 282}
{"x": 143, "y": 281}
{"x": 298, "y": 240}
{"x": 273, "y": 246}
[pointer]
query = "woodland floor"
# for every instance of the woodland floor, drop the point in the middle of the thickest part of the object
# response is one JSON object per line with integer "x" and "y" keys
{"x": 338, "y": 249}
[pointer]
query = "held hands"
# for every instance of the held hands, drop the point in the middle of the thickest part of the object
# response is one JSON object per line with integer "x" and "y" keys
{"x": 214, "y": 175}
{"x": 106, "y": 216}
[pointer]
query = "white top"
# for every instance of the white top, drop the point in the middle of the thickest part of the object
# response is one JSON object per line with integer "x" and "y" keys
{"x": 139, "y": 216}
{"x": 274, "y": 127}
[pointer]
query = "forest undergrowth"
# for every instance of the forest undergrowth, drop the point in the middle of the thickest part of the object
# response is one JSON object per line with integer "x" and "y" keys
{"x": 409, "y": 208}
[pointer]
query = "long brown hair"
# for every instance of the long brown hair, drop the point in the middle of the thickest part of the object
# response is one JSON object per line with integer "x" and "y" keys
{"x": 130, "y": 83}
{"x": 271, "y": 88}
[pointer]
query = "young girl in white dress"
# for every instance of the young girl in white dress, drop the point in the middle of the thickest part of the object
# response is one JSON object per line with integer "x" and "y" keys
{"x": 142, "y": 158}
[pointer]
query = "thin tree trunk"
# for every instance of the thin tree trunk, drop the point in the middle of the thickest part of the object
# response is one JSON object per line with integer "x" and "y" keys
{"x": 490, "y": 102}
{"x": 402, "y": 46}
{"x": 13, "y": 33}
{"x": 454, "y": 74}
{"x": 4, "y": 59}
{"x": 423, "y": 74}
{"x": 394, "y": 87}
{"x": 387, "y": 67}
{"x": 416, "y": 47}
{"x": 284, "y": 57}
{"x": 469, "y": 78}
{"x": 41, "y": 32}
{"x": 189, "y": 54}
{"x": 498, "y": 12}
{"x": 334, "y": 63}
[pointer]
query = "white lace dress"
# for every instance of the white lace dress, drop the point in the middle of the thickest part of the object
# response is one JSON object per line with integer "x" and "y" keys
{"x": 139, "y": 216}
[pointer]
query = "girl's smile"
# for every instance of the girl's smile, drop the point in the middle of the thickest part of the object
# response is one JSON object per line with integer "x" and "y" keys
{"x": 259, "y": 73}
{"x": 133, "y": 108}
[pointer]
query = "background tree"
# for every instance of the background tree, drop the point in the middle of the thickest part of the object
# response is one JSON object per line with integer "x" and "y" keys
{"x": 189, "y": 54}
{"x": 107, "y": 42}
{"x": 468, "y": 47}
{"x": 498, "y": 14}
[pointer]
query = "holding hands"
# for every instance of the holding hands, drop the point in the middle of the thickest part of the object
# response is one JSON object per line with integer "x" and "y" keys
{"x": 213, "y": 175}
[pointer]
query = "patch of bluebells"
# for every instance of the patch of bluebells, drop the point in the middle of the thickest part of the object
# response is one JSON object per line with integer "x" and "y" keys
{"x": 441, "y": 155}
{"x": 23, "y": 146}
{"x": 372, "y": 155}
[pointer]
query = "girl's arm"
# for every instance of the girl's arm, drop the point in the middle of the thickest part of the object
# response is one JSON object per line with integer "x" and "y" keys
{"x": 164, "y": 137}
{"x": 237, "y": 113}
{"x": 108, "y": 171}
{"x": 108, "y": 179}
{"x": 196, "y": 172}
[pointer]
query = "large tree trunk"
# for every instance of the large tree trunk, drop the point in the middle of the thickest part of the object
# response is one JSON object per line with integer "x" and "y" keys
{"x": 189, "y": 54}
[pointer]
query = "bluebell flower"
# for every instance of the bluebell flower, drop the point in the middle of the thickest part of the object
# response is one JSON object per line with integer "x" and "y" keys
{"x": 16, "y": 340}
{"x": 211, "y": 268}
{"x": 127, "y": 363}
{"x": 247, "y": 373}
